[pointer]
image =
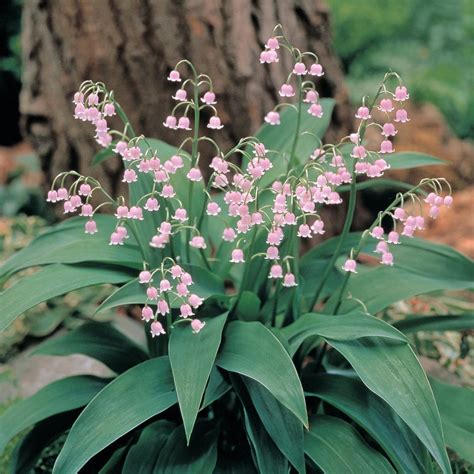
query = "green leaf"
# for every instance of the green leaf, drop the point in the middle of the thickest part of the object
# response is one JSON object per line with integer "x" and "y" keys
{"x": 253, "y": 350}
{"x": 67, "y": 243}
{"x": 192, "y": 357}
{"x": 336, "y": 447}
{"x": 412, "y": 159}
{"x": 392, "y": 371}
{"x": 45, "y": 324}
{"x": 51, "y": 281}
{"x": 216, "y": 388}
{"x": 461, "y": 322}
{"x": 100, "y": 341}
{"x": 144, "y": 185}
{"x": 29, "y": 449}
{"x": 129, "y": 400}
{"x": 420, "y": 267}
{"x": 456, "y": 408}
{"x": 115, "y": 461}
{"x": 58, "y": 397}
{"x": 103, "y": 155}
{"x": 200, "y": 457}
{"x": 205, "y": 284}
{"x": 371, "y": 413}
{"x": 248, "y": 307}
{"x": 281, "y": 137}
{"x": 377, "y": 183}
{"x": 283, "y": 427}
{"x": 142, "y": 456}
{"x": 400, "y": 160}
{"x": 327, "y": 248}
{"x": 314, "y": 262}
{"x": 340, "y": 328}
{"x": 267, "y": 457}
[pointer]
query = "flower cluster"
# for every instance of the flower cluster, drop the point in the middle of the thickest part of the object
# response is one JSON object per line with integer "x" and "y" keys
{"x": 208, "y": 100}
{"x": 294, "y": 84}
{"x": 174, "y": 283}
{"x": 95, "y": 111}
{"x": 281, "y": 207}
{"x": 409, "y": 223}
{"x": 368, "y": 162}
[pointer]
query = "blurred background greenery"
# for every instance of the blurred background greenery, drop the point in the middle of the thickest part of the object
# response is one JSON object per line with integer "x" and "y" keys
{"x": 430, "y": 43}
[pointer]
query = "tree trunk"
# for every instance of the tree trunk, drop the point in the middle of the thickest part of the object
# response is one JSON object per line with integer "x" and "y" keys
{"x": 132, "y": 44}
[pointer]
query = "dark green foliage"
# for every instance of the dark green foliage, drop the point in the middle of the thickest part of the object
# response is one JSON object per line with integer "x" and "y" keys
{"x": 429, "y": 43}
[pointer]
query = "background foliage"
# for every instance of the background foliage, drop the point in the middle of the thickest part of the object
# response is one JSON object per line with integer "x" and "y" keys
{"x": 429, "y": 43}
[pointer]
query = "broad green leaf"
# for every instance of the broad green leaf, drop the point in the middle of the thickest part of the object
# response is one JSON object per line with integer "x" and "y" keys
{"x": 456, "y": 405}
{"x": 115, "y": 461}
{"x": 264, "y": 452}
{"x": 340, "y": 328}
{"x": 314, "y": 262}
{"x": 130, "y": 293}
{"x": 48, "y": 321}
{"x": 267, "y": 456}
{"x": 400, "y": 160}
{"x": 412, "y": 159}
{"x": 53, "y": 280}
{"x": 371, "y": 413}
{"x": 215, "y": 305}
{"x": 29, "y": 449}
{"x": 100, "y": 341}
{"x": 58, "y": 397}
{"x": 462, "y": 322}
{"x": 327, "y": 248}
{"x": 252, "y": 350}
{"x": 200, "y": 457}
{"x": 103, "y": 155}
{"x": 129, "y": 400}
{"x": 336, "y": 447}
{"x": 192, "y": 357}
{"x": 248, "y": 307}
{"x": 67, "y": 243}
{"x": 377, "y": 183}
{"x": 420, "y": 267}
{"x": 281, "y": 137}
{"x": 216, "y": 388}
{"x": 283, "y": 427}
{"x": 392, "y": 371}
{"x": 142, "y": 456}
{"x": 205, "y": 284}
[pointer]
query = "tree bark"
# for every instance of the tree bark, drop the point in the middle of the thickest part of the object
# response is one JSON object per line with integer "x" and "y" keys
{"x": 131, "y": 45}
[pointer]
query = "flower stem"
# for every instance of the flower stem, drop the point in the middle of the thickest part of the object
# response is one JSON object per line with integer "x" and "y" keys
{"x": 342, "y": 238}
{"x": 194, "y": 157}
{"x": 356, "y": 252}
{"x": 246, "y": 270}
{"x": 291, "y": 162}
{"x": 144, "y": 250}
{"x": 350, "y": 209}
{"x": 124, "y": 118}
